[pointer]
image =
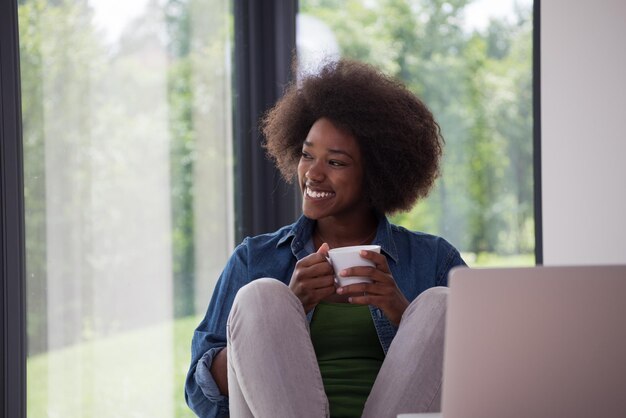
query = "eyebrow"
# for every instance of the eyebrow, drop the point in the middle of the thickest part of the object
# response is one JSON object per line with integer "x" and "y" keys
{"x": 331, "y": 150}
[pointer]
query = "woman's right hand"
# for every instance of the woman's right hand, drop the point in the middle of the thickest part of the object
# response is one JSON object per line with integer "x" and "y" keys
{"x": 313, "y": 278}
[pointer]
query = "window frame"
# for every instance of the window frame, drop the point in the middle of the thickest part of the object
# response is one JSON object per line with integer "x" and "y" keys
{"x": 537, "y": 190}
{"x": 12, "y": 248}
{"x": 265, "y": 39}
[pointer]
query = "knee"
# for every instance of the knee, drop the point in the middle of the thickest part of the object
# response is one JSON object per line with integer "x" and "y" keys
{"x": 261, "y": 293}
{"x": 437, "y": 293}
{"x": 265, "y": 297}
{"x": 431, "y": 302}
{"x": 263, "y": 304}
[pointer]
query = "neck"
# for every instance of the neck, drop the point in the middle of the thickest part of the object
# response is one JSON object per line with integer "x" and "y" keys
{"x": 356, "y": 231}
{"x": 337, "y": 244}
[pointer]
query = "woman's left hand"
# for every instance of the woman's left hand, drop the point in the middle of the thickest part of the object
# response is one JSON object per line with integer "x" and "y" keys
{"x": 382, "y": 292}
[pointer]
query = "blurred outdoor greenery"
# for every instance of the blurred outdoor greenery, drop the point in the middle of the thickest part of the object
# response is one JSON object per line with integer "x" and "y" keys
{"x": 478, "y": 84}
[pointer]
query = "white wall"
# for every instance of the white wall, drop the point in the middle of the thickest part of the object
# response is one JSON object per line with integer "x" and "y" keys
{"x": 583, "y": 116}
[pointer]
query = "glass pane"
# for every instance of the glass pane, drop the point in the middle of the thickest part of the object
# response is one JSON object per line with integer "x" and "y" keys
{"x": 128, "y": 194}
{"x": 471, "y": 63}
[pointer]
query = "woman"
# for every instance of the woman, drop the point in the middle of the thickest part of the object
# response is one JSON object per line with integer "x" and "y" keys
{"x": 280, "y": 339}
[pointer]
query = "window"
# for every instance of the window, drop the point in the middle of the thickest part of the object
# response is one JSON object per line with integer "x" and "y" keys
{"x": 471, "y": 63}
{"x": 127, "y": 134}
{"x": 128, "y": 162}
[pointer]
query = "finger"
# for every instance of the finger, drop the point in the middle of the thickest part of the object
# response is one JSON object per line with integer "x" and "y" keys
{"x": 361, "y": 288}
{"x": 377, "y": 276}
{"x": 323, "y": 249}
{"x": 366, "y": 271}
{"x": 312, "y": 259}
{"x": 364, "y": 299}
{"x": 321, "y": 282}
{"x": 320, "y": 294}
{"x": 316, "y": 270}
{"x": 314, "y": 296}
{"x": 378, "y": 259}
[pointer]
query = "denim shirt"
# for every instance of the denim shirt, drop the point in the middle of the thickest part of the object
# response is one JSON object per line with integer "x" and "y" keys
{"x": 417, "y": 262}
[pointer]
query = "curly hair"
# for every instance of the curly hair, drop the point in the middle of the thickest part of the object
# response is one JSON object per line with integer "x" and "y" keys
{"x": 400, "y": 141}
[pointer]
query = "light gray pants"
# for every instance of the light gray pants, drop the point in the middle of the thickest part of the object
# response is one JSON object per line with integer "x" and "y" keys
{"x": 273, "y": 371}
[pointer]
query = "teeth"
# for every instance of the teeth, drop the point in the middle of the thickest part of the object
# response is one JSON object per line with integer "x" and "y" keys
{"x": 317, "y": 195}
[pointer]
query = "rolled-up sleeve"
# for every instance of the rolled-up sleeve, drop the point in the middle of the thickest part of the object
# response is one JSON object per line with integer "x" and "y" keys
{"x": 201, "y": 391}
{"x": 204, "y": 378}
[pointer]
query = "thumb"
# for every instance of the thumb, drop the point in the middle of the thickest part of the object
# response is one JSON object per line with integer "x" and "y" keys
{"x": 324, "y": 249}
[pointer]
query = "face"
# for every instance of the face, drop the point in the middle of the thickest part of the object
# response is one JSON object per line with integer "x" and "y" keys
{"x": 330, "y": 173}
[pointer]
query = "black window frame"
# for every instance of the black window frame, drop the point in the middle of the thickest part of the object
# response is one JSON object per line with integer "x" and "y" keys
{"x": 12, "y": 249}
{"x": 264, "y": 47}
{"x": 265, "y": 43}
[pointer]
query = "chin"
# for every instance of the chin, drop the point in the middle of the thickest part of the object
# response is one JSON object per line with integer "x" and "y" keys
{"x": 313, "y": 213}
{"x": 310, "y": 214}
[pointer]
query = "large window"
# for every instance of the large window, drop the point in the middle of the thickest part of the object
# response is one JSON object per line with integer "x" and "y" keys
{"x": 128, "y": 197}
{"x": 128, "y": 166}
{"x": 471, "y": 63}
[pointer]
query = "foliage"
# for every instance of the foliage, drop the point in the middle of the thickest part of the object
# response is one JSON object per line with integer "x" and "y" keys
{"x": 34, "y": 169}
{"x": 479, "y": 86}
{"x": 180, "y": 98}
{"x": 56, "y": 44}
{"x": 96, "y": 114}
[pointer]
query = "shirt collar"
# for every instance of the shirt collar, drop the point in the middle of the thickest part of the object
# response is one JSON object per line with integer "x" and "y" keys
{"x": 298, "y": 235}
{"x": 384, "y": 238}
{"x": 301, "y": 230}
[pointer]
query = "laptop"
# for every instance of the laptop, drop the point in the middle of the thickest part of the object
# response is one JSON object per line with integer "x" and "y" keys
{"x": 535, "y": 342}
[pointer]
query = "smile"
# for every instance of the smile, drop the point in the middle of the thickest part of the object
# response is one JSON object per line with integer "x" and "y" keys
{"x": 317, "y": 195}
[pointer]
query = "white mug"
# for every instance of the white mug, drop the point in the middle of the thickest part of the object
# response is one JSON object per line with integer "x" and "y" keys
{"x": 345, "y": 257}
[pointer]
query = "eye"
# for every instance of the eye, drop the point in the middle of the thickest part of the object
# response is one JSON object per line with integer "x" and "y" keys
{"x": 305, "y": 155}
{"x": 336, "y": 163}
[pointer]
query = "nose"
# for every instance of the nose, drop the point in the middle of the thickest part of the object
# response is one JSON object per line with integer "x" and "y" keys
{"x": 315, "y": 172}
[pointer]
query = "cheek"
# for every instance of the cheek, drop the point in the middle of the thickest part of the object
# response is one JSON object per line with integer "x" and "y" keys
{"x": 360, "y": 188}
{"x": 301, "y": 172}
{"x": 354, "y": 185}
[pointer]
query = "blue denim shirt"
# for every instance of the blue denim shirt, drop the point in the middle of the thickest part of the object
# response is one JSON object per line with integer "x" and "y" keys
{"x": 417, "y": 262}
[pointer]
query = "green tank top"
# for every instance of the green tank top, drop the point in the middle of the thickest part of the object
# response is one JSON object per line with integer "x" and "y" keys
{"x": 349, "y": 355}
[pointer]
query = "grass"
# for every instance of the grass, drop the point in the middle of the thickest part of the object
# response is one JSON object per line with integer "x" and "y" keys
{"x": 140, "y": 373}
{"x": 497, "y": 260}
{"x": 134, "y": 374}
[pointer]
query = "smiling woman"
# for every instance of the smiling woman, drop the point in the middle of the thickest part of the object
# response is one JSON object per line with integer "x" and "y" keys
{"x": 355, "y": 162}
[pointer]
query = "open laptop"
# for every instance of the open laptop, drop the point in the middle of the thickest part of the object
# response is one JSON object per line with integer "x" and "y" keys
{"x": 535, "y": 342}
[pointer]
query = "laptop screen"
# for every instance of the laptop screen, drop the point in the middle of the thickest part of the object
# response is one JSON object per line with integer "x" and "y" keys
{"x": 536, "y": 342}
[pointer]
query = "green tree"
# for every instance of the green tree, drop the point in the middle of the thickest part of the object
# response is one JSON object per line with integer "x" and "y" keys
{"x": 182, "y": 154}
{"x": 478, "y": 86}
{"x": 510, "y": 107}
{"x": 57, "y": 44}
{"x": 30, "y": 15}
